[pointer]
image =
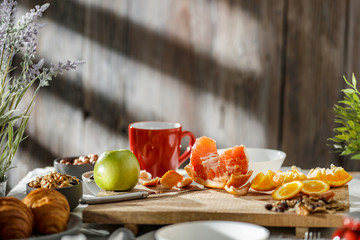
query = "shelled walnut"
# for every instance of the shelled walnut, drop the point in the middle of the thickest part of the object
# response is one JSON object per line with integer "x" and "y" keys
{"x": 304, "y": 205}
{"x": 54, "y": 180}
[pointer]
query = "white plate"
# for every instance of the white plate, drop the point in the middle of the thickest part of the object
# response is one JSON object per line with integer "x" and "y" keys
{"x": 262, "y": 159}
{"x": 72, "y": 228}
{"x": 212, "y": 230}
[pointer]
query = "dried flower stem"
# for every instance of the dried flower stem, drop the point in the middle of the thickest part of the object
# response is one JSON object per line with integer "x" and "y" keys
{"x": 15, "y": 38}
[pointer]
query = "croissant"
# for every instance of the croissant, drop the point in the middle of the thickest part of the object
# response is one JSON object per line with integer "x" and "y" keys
{"x": 16, "y": 219}
{"x": 50, "y": 208}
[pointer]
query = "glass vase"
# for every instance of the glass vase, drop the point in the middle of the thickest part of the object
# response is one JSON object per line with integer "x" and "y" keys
{"x": 3, "y": 187}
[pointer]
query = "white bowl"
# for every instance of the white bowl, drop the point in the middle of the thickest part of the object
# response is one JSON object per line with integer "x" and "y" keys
{"x": 212, "y": 230}
{"x": 262, "y": 159}
{"x": 89, "y": 184}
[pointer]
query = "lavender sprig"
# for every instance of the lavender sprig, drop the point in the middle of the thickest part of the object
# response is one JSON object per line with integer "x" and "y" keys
{"x": 20, "y": 37}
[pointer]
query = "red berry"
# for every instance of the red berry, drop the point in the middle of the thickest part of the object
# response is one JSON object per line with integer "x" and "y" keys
{"x": 350, "y": 235}
{"x": 351, "y": 223}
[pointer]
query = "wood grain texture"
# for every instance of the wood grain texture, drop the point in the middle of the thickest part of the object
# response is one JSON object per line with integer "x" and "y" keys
{"x": 207, "y": 205}
{"x": 314, "y": 69}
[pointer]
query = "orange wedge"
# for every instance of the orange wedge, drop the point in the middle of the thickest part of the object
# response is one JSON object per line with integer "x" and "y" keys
{"x": 338, "y": 176}
{"x": 170, "y": 179}
{"x": 287, "y": 190}
{"x": 263, "y": 182}
{"x": 294, "y": 175}
{"x": 334, "y": 176}
{"x": 278, "y": 178}
{"x": 238, "y": 180}
{"x": 314, "y": 186}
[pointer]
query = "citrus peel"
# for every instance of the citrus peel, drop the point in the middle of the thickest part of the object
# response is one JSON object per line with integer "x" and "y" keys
{"x": 238, "y": 180}
{"x": 170, "y": 179}
{"x": 151, "y": 183}
{"x": 239, "y": 191}
{"x": 184, "y": 182}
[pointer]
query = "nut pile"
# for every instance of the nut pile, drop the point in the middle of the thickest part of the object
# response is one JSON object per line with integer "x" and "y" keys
{"x": 304, "y": 205}
{"x": 54, "y": 180}
{"x": 91, "y": 158}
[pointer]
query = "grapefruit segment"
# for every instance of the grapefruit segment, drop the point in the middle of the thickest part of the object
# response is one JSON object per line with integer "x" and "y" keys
{"x": 234, "y": 160}
{"x": 210, "y": 169}
{"x": 207, "y": 183}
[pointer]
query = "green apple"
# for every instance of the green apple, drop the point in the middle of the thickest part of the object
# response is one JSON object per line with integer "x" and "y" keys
{"x": 117, "y": 170}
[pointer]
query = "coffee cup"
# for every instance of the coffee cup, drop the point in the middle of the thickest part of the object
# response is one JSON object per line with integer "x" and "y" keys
{"x": 157, "y": 145}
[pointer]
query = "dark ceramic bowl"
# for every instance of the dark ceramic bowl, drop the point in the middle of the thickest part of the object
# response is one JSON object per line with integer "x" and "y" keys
{"x": 72, "y": 170}
{"x": 72, "y": 193}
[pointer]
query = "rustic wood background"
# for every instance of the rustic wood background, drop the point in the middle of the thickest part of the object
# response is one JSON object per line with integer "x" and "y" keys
{"x": 259, "y": 73}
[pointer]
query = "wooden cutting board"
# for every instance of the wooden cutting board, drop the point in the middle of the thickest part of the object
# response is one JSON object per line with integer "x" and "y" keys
{"x": 209, "y": 204}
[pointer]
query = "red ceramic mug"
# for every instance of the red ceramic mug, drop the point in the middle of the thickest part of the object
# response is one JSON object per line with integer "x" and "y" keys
{"x": 157, "y": 145}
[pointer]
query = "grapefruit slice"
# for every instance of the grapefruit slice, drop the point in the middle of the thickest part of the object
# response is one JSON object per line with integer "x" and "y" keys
{"x": 210, "y": 169}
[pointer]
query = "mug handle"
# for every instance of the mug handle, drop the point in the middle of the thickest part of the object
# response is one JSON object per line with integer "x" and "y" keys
{"x": 187, "y": 152}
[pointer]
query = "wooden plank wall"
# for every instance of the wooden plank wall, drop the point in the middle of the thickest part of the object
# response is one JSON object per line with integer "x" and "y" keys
{"x": 263, "y": 73}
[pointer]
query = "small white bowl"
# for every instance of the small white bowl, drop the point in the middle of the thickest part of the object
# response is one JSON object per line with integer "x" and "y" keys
{"x": 262, "y": 159}
{"x": 90, "y": 184}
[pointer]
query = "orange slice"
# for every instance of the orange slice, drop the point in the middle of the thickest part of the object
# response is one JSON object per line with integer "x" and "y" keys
{"x": 238, "y": 180}
{"x": 263, "y": 182}
{"x": 241, "y": 191}
{"x": 170, "y": 179}
{"x": 184, "y": 183}
{"x": 287, "y": 190}
{"x": 314, "y": 186}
